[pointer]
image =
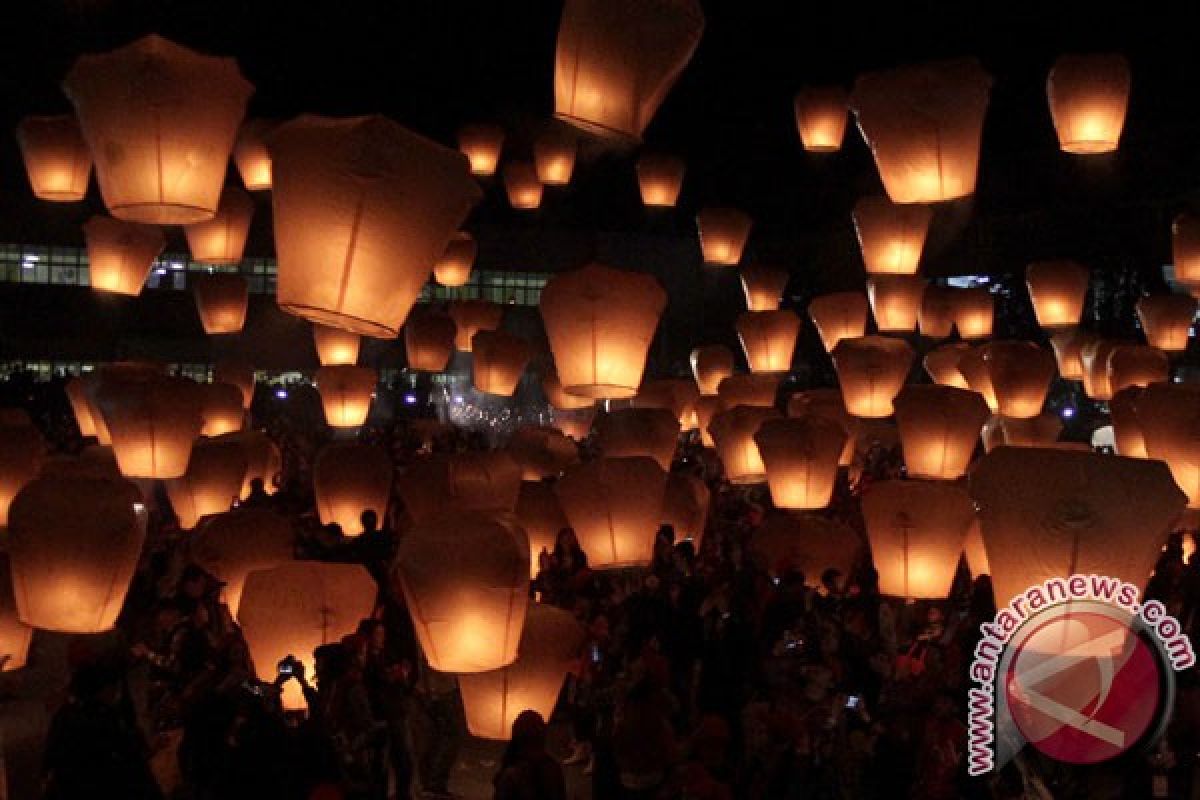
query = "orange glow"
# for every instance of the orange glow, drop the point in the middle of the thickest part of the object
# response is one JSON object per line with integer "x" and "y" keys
{"x": 57, "y": 160}
{"x": 891, "y": 236}
{"x": 346, "y": 393}
{"x": 1088, "y": 96}
{"x": 821, "y": 118}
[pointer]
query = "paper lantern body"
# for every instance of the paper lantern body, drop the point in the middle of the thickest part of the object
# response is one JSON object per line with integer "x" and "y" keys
{"x": 1168, "y": 415}
{"x": 483, "y": 481}
{"x": 1093, "y": 355}
{"x": 465, "y": 578}
{"x": 429, "y": 341}
{"x": 827, "y": 404}
{"x": 941, "y": 363}
{"x": 363, "y": 208}
{"x": 211, "y": 484}
{"x": 677, "y": 395}
{"x": 763, "y": 286}
{"x": 152, "y": 421}
{"x": 810, "y": 544}
{"x": 522, "y": 186}
{"x": 335, "y": 347}
{"x": 554, "y": 158}
{"x": 685, "y": 506}
{"x": 15, "y": 635}
{"x": 616, "y": 61}
{"x": 600, "y": 322}
{"x": 837, "y": 316}
{"x": 499, "y": 360}
{"x": 648, "y": 432}
{"x": 576, "y": 424}
{"x": 230, "y": 546}
{"x": 221, "y": 408}
{"x": 759, "y": 390}
{"x": 251, "y": 156}
{"x": 768, "y": 339}
{"x": 74, "y": 544}
{"x": 711, "y": 364}
{"x": 120, "y": 254}
{"x": 1068, "y": 346}
{"x": 22, "y": 451}
{"x": 1053, "y": 513}
{"x": 221, "y": 300}
{"x": 891, "y": 236}
{"x": 559, "y": 399}
{"x": 57, "y": 160}
{"x": 975, "y": 313}
{"x": 348, "y": 479}
{"x": 939, "y": 427}
{"x": 1167, "y": 320}
{"x": 660, "y": 179}
{"x": 1127, "y": 429}
{"x": 346, "y": 394}
{"x": 1137, "y": 365}
{"x": 1185, "y": 248}
{"x": 1088, "y": 96}
{"x": 1057, "y": 290}
{"x": 1040, "y": 431}
{"x": 540, "y": 514}
{"x": 821, "y": 118}
{"x": 706, "y": 408}
{"x": 733, "y": 432}
{"x": 917, "y": 531}
{"x": 895, "y": 301}
{"x": 222, "y": 239}
{"x": 723, "y": 235}
{"x": 615, "y": 507}
{"x": 81, "y": 406}
{"x": 472, "y": 316}
{"x": 239, "y": 374}
{"x": 481, "y": 144}
{"x": 1020, "y": 375}
{"x": 454, "y": 267}
{"x": 938, "y": 311}
{"x": 541, "y": 452}
{"x": 975, "y": 552}
{"x": 801, "y": 457}
{"x": 263, "y": 460}
{"x": 871, "y": 370}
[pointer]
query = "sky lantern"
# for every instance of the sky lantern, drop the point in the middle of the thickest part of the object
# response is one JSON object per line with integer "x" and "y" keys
{"x": 429, "y": 341}
{"x": 293, "y": 608}
{"x": 335, "y": 346}
{"x": 549, "y": 650}
{"x": 1057, "y": 290}
{"x": 1137, "y": 365}
{"x": 559, "y": 399}
{"x": 120, "y": 254}
{"x": 1127, "y": 429}
{"x": 465, "y": 578}
{"x": 891, "y": 236}
{"x": 1068, "y": 346}
{"x": 768, "y": 339}
{"x": 1020, "y": 375}
{"x": 639, "y": 432}
{"x": 237, "y": 373}
{"x": 81, "y": 406}
{"x": 211, "y": 484}
{"x": 917, "y": 530}
{"x": 974, "y": 368}
{"x": 472, "y": 316}
{"x": 1040, "y": 431}
{"x": 263, "y": 460}
{"x": 974, "y": 551}
{"x": 723, "y": 234}
{"x": 153, "y": 421}
{"x": 362, "y": 208}
{"x": 554, "y": 158}
{"x": 827, "y": 404}
{"x": 600, "y": 322}
{"x": 221, "y": 408}
{"x": 941, "y": 364}
{"x": 1168, "y": 415}
{"x": 938, "y": 311}
{"x": 15, "y": 636}
{"x": 454, "y": 266}
{"x": 1166, "y": 320}
{"x": 616, "y": 61}
{"x": 685, "y": 506}
{"x": 871, "y": 370}
{"x": 711, "y": 364}
{"x": 231, "y": 545}
{"x": 577, "y": 424}
{"x": 837, "y": 316}
{"x": 1093, "y": 355}
{"x": 73, "y": 544}
{"x": 161, "y": 120}
{"x": 222, "y": 239}
{"x": 348, "y": 479}
{"x": 485, "y": 481}
{"x": 251, "y": 156}
{"x": 758, "y": 389}
{"x": 806, "y": 543}
{"x": 895, "y": 301}
{"x": 706, "y": 408}
{"x": 541, "y": 452}
{"x": 939, "y": 428}
{"x": 57, "y": 160}
{"x": 1054, "y": 513}
{"x": 660, "y": 179}
{"x": 346, "y": 392}
{"x": 801, "y": 456}
{"x": 764, "y": 286}
{"x": 733, "y": 432}
{"x": 500, "y": 360}
{"x": 615, "y": 507}
{"x": 22, "y": 451}
{"x": 1185, "y": 248}
{"x": 677, "y": 395}
{"x": 522, "y": 186}
{"x": 975, "y": 313}
{"x": 481, "y": 144}
{"x": 821, "y": 117}
{"x": 539, "y": 513}
{"x": 1088, "y": 96}
{"x": 221, "y": 301}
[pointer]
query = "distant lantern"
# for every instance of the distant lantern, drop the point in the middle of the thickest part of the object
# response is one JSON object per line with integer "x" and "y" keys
{"x": 499, "y": 362}
{"x": 348, "y": 479}
{"x": 660, "y": 179}
{"x": 221, "y": 408}
{"x": 429, "y": 341}
{"x": 239, "y": 374}
{"x": 362, "y": 207}
{"x": 221, "y": 300}
{"x": 801, "y": 458}
{"x": 685, "y": 506}
{"x": 264, "y": 462}
{"x": 486, "y": 481}
{"x": 975, "y": 312}
{"x": 57, "y": 160}
{"x": 711, "y": 364}
{"x": 706, "y": 408}
{"x": 74, "y": 544}
{"x": 85, "y": 414}
{"x": 222, "y": 239}
{"x": 549, "y": 650}
{"x": 600, "y": 321}
{"x": 891, "y": 236}
{"x": 22, "y": 451}
{"x": 522, "y": 186}
{"x": 1068, "y": 346}
{"x": 759, "y": 390}
{"x": 1088, "y": 96}
{"x": 616, "y": 61}
{"x": 335, "y": 347}
{"x": 1169, "y": 416}
{"x": 1057, "y": 290}
{"x": 837, "y": 316}
{"x": 454, "y": 266}
{"x": 917, "y": 531}
{"x": 923, "y": 124}
{"x": 1020, "y": 377}
{"x": 871, "y": 370}
{"x": 939, "y": 428}
{"x": 827, "y": 404}
{"x": 1137, "y": 365}
{"x": 346, "y": 394}
{"x": 733, "y": 435}
{"x": 465, "y": 578}
{"x": 768, "y": 339}
{"x": 295, "y": 607}
{"x": 481, "y": 144}
{"x": 559, "y": 399}
{"x": 763, "y": 286}
{"x": 554, "y": 158}
{"x": 1167, "y": 320}
{"x": 1093, "y": 355}
{"x": 1185, "y": 249}
{"x": 472, "y": 316}
{"x": 936, "y": 317}
{"x": 895, "y": 301}
{"x": 120, "y": 254}
{"x": 723, "y": 234}
{"x": 974, "y": 368}
{"x": 15, "y": 636}
{"x": 821, "y": 118}
{"x": 615, "y": 507}
{"x": 251, "y": 156}
{"x": 541, "y": 452}
{"x": 1052, "y": 514}
{"x": 790, "y": 543}
{"x": 677, "y": 395}
{"x": 211, "y": 484}
{"x": 230, "y": 546}
{"x": 153, "y": 422}
{"x": 1127, "y": 430}
{"x": 161, "y": 120}
{"x": 648, "y": 432}
{"x": 539, "y": 513}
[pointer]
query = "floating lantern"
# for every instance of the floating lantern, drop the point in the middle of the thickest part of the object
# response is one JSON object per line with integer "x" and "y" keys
{"x": 222, "y": 239}
{"x": 975, "y": 552}
{"x": 500, "y": 360}
{"x": 938, "y": 311}
{"x": 768, "y": 339}
{"x": 706, "y": 408}
{"x": 230, "y": 546}
{"x": 522, "y": 186}
{"x": 239, "y": 374}
{"x": 348, "y": 479}
{"x": 346, "y": 394}
{"x": 541, "y": 452}
{"x": 211, "y": 484}
{"x": 263, "y": 460}
{"x": 1057, "y": 290}
{"x": 711, "y": 364}
{"x": 559, "y": 399}
{"x": 1168, "y": 415}
{"x": 1068, "y": 346}
{"x": 871, "y": 370}
{"x": 481, "y": 144}
{"x": 639, "y": 432}
{"x": 221, "y": 408}
{"x": 939, "y": 426}
{"x": 800, "y": 456}
{"x": 1167, "y": 320}
{"x": 120, "y": 254}
{"x": 748, "y": 390}
{"x": 251, "y": 156}
{"x": 733, "y": 432}
{"x": 821, "y": 118}
{"x": 891, "y": 236}
{"x": 1127, "y": 430}
{"x": 895, "y": 301}
{"x": 1185, "y": 249}
{"x": 484, "y": 481}
{"x": 540, "y": 514}
{"x": 723, "y": 234}
{"x": 22, "y": 451}
{"x": 554, "y": 158}
{"x": 57, "y": 160}
{"x": 429, "y": 341}
{"x": 837, "y": 316}
{"x": 827, "y": 404}
{"x": 221, "y": 300}
{"x": 975, "y": 313}
{"x": 1093, "y": 355}
{"x": 454, "y": 267}
{"x": 1019, "y": 374}
{"x": 152, "y": 420}
{"x": 1040, "y": 431}
{"x": 335, "y": 347}
{"x": 615, "y": 507}
{"x": 1088, "y": 96}
{"x": 576, "y": 424}
{"x": 660, "y": 179}
{"x": 685, "y": 506}
{"x": 472, "y": 316}
{"x": 763, "y": 286}
{"x": 791, "y": 543}
{"x": 941, "y": 364}
{"x": 1137, "y": 365}
{"x": 677, "y": 395}
{"x": 15, "y": 635}
{"x": 81, "y": 406}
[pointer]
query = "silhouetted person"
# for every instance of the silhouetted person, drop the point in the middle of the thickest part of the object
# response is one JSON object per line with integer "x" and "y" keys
{"x": 527, "y": 771}
{"x": 258, "y": 497}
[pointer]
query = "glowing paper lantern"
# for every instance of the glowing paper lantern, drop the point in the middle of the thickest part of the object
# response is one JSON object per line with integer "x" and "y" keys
{"x": 1185, "y": 248}
{"x": 837, "y": 316}
{"x": 733, "y": 432}
{"x": 1167, "y": 320}
{"x": 239, "y": 374}
{"x": 941, "y": 364}
{"x": 554, "y": 158}
{"x": 57, "y": 160}
{"x": 616, "y": 61}
{"x": 484, "y": 481}
{"x": 152, "y": 421}
{"x": 801, "y": 458}
{"x": 500, "y": 360}
{"x": 821, "y": 118}
{"x": 74, "y": 544}
{"x": 15, "y": 635}
{"x": 763, "y": 286}
{"x": 1053, "y": 513}
{"x": 1093, "y": 355}
{"x": 975, "y": 313}
{"x": 454, "y": 267}
{"x": 600, "y": 322}
{"x": 348, "y": 479}
{"x": 1057, "y": 290}
{"x": 81, "y": 406}
{"x": 465, "y": 578}
{"x": 937, "y": 314}
{"x": 222, "y": 239}
{"x": 230, "y": 546}
{"x": 974, "y": 551}
{"x": 540, "y": 514}
{"x": 891, "y": 236}
{"x": 723, "y": 234}
{"x": 706, "y": 408}
{"x": 973, "y": 366}
{"x": 22, "y": 451}
{"x": 939, "y": 426}
{"x": 1020, "y": 375}
{"x": 677, "y": 395}
{"x": 295, "y": 607}
{"x": 768, "y": 339}
{"x": 1169, "y": 415}
{"x": 895, "y": 301}
{"x": 559, "y": 399}
{"x": 660, "y": 179}
{"x": 1137, "y": 365}
{"x": 481, "y": 144}
{"x": 1040, "y": 431}
{"x": 787, "y": 543}
{"x": 1068, "y": 352}
{"x": 1127, "y": 429}
{"x": 211, "y": 484}
{"x": 541, "y": 452}
{"x": 472, "y": 316}
{"x": 221, "y": 408}
{"x": 221, "y": 300}
{"x": 522, "y": 186}
{"x": 549, "y": 648}
{"x": 120, "y": 254}
{"x": 639, "y": 432}
{"x": 576, "y": 424}
{"x": 827, "y": 404}
{"x": 685, "y": 506}
{"x": 615, "y": 507}
{"x": 346, "y": 393}
{"x": 335, "y": 347}
{"x": 758, "y": 390}
{"x": 711, "y": 364}
{"x": 871, "y": 370}
{"x": 429, "y": 341}
{"x": 917, "y": 531}
{"x": 263, "y": 460}
{"x": 1088, "y": 96}
{"x": 251, "y": 156}
{"x": 362, "y": 209}
{"x": 923, "y": 124}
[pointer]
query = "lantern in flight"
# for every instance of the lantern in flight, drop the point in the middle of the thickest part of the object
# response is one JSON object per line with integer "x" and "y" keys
{"x": 763, "y": 286}
{"x": 639, "y": 432}
{"x": 891, "y": 236}
{"x": 522, "y": 186}
{"x": 429, "y": 341}
{"x": 211, "y": 484}
{"x": 895, "y": 301}
{"x": 706, "y": 408}
{"x": 454, "y": 266}
{"x": 559, "y": 399}
{"x": 239, "y": 374}
{"x": 153, "y": 421}
{"x": 577, "y": 424}
{"x": 677, "y": 395}
{"x": 251, "y": 156}
{"x": 554, "y": 158}
{"x": 941, "y": 364}
{"x": 222, "y": 238}
{"x": 1167, "y": 320}
{"x": 1040, "y": 431}
{"x": 472, "y": 316}
{"x": 120, "y": 254}
{"x": 660, "y": 179}
{"x": 57, "y": 160}
{"x": 758, "y": 390}
{"x": 221, "y": 301}
{"x": 346, "y": 393}
{"x": 264, "y": 462}
{"x": 685, "y": 506}
{"x": 1093, "y": 355}
{"x": 800, "y": 456}
{"x": 1068, "y": 346}
{"x": 230, "y": 546}
{"x": 936, "y": 316}
{"x": 1137, "y": 365}
{"x": 335, "y": 347}
{"x": 499, "y": 361}
{"x": 1185, "y": 249}
{"x": 1057, "y": 290}
{"x": 768, "y": 339}
{"x": 711, "y": 364}
{"x": 1020, "y": 375}
{"x": 939, "y": 427}
{"x": 481, "y": 144}
{"x": 539, "y": 513}
{"x": 871, "y": 370}
{"x": 1088, "y": 96}
{"x": 974, "y": 368}
{"x": 827, "y": 404}
{"x": 837, "y": 316}
{"x": 348, "y": 479}
{"x": 221, "y": 408}
{"x": 615, "y": 507}
{"x": 1127, "y": 429}
{"x": 975, "y": 313}
{"x": 733, "y": 432}
{"x": 821, "y": 118}
{"x": 723, "y": 234}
